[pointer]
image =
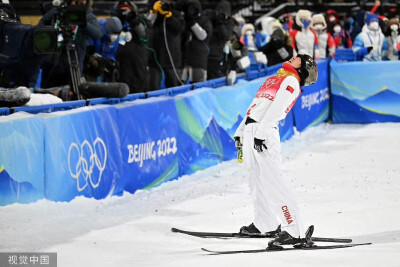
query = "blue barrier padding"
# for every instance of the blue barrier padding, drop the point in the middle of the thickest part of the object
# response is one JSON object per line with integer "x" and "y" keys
{"x": 97, "y": 101}
{"x": 36, "y": 109}
{"x": 218, "y": 82}
{"x": 112, "y": 101}
{"x": 345, "y": 55}
{"x": 69, "y": 105}
{"x": 135, "y": 96}
{"x": 180, "y": 89}
{"x": 253, "y": 74}
{"x": 201, "y": 85}
{"x": 158, "y": 93}
{"x": 365, "y": 92}
{"x": 4, "y": 111}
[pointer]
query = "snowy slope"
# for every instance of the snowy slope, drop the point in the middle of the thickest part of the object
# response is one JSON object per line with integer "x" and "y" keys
{"x": 347, "y": 180}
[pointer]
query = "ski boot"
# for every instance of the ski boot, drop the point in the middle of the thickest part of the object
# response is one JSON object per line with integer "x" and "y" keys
{"x": 284, "y": 238}
{"x": 253, "y": 230}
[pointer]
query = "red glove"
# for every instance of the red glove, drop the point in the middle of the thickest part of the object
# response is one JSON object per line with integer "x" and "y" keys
{"x": 398, "y": 47}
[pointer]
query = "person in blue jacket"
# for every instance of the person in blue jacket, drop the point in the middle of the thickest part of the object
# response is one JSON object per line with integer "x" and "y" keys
{"x": 106, "y": 48}
{"x": 371, "y": 44}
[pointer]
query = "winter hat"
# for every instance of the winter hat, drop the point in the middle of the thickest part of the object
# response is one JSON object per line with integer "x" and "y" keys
{"x": 371, "y": 17}
{"x": 393, "y": 21}
{"x": 318, "y": 19}
{"x": 302, "y": 14}
{"x": 247, "y": 27}
{"x": 123, "y": 4}
{"x": 113, "y": 24}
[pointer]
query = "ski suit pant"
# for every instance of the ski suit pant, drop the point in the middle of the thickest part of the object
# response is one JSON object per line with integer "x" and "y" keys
{"x": 273, "y": 199}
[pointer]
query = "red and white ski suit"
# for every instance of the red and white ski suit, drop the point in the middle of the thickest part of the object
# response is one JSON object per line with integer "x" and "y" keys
{"x": 273, "y": 200}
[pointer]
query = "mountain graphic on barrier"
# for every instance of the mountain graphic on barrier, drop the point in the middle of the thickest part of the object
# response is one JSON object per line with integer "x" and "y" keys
{"x": 218, "y": 141}
{"x": 232, "y": 130}
{"x": 347, "y": 111}
{"x": 384, "y": 101}
{"x": 13, "y": 191}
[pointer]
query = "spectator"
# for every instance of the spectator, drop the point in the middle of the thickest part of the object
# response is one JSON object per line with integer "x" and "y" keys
{"x": 305, "y": 41}
{"x": 133, "y": 56}
{"x": 222, "y": 31}
{"x": 248, "y": 37}
{"x": 167, "y": 57}
{"x": 197, "y": 36}
{"x": 326, "y": 44}
{"x": 371, "y": 44}
{"x": 287, "y": 22}
{"x": 236, "y": 54}
{"x": 56, "y": 69}
{"x": 342, "y": 36}
{"x": 332, "y": 18}
{"x": 278, "y": 49}
{"x": 393, "y": 39}
{"x": 106, "y": 48}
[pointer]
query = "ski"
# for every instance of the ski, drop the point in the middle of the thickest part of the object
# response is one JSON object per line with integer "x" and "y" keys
{"x": 220, "y": 252}
{"x": 238, "y": 235}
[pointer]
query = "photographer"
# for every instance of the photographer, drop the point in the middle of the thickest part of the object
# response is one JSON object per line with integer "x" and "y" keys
{"x": 56, "y": 69}
{"x": 133, "y": 56}
{"x": 196, "y": 38}
{"x": 103, "y": 52}
{"x": 168, "y": 26}
{"x": 222, "y": 31}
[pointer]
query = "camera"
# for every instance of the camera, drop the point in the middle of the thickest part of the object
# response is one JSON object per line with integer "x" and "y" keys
{"x": 166, "y": 5}
{"x": 22, "y": 47}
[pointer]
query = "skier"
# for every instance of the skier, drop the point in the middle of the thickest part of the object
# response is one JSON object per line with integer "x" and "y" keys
{"x": 275, "y": 209}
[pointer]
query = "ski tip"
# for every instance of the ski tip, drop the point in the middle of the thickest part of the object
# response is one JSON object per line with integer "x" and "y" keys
{"x": 206, "y": 250}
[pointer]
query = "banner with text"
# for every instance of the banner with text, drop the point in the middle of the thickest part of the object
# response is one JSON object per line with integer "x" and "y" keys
{"x": 149, "y": 142}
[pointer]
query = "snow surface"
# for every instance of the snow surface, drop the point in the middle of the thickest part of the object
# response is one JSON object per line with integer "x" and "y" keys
{"x": 347, "y": 180}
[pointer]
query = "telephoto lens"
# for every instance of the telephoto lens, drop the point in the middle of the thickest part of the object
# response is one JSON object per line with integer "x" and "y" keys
{"x": 166, "y": 6}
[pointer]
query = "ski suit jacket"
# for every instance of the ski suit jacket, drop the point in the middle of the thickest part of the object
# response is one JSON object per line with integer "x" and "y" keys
{"x": 376, "y": 40}
{"x": 305, "y": 42}
{"x": 273, "y": 101}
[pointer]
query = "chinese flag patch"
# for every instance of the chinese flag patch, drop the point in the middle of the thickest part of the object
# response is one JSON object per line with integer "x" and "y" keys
{"x": 290, "y": 89}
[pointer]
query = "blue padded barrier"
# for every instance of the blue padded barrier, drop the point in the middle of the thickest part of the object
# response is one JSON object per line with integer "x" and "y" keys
{"x": 160, "y": 92}
{"x": 113, "y": 101}
{"x": 218, "y": 82}
{"x": 345, "y": 55}
{"x": 180, "y": 89}
{"x": 252, "y": 74}
{"x": 4, "y": 111}
{"x": 97, "y": 101}
{"x": 36, "y": 109}
{"x": 132, "y": 97}
{"x": 69, "y": 105}
{"x": 201, "y": 85}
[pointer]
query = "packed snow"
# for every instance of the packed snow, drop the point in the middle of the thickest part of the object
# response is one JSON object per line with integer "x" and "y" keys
{"x": 347, "y": 181}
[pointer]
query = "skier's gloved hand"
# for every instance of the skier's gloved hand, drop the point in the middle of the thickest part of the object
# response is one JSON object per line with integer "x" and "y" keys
{"x": 259, "y": 144}
{"x": 238, "y": 144}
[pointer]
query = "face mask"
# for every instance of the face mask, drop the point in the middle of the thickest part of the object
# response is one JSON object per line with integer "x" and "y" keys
{"x": 319, "y": 27}
{"x": 394, "y": 27}
{"x": 113, "y": 37}
{"x": 249, "y": 32}
{"x": 373, "y": 26}
{"x": 285, "y": 27}
{"x": 306, "y": 23}
{"x": 332, "y": 18}
{"x": 337, "y": 29}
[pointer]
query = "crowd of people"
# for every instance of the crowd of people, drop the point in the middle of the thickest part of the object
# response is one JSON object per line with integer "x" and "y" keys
{"x": 177, "y": 42}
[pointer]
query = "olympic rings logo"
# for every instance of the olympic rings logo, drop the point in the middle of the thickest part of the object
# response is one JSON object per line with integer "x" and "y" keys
{"x": 83, "y": 160}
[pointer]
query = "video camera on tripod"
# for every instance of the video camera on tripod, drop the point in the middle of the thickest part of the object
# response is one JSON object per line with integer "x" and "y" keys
{"x": 22, "y": 47}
